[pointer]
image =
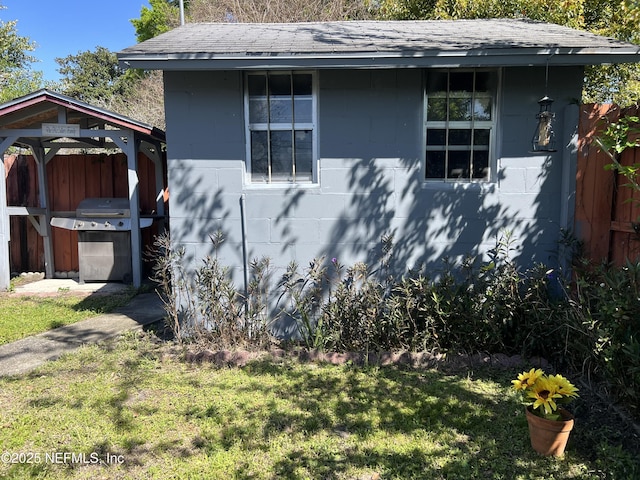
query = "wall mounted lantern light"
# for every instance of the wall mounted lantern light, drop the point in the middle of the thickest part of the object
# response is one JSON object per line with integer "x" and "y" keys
{"x": 544, "y": 137}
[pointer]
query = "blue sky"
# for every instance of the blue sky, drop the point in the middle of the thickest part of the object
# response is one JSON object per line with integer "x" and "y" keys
{"x": 66, "y": 27}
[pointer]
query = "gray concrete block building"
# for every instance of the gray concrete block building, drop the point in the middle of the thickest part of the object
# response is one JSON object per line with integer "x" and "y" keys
{"x": 316, "y": 139}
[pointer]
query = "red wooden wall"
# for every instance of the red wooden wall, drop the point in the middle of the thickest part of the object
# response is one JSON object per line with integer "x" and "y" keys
{"x": 71, "y": 178}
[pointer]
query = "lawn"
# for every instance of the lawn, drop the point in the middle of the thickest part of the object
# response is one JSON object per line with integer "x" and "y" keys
{"x": 21, "y": 316}
{"x": 132, "y": 408}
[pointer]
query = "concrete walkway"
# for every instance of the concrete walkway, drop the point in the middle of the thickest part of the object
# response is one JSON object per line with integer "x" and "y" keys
{"x": 31, "y": 352}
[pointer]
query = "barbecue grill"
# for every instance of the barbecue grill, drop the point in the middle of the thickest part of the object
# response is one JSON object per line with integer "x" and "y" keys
{"x": 104, "y": 238}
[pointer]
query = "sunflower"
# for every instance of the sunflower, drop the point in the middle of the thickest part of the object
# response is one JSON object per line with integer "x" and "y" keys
{"x": 544, "y": 392}
{"x": 563, "y": 386}
{"x": 527, "y": 379}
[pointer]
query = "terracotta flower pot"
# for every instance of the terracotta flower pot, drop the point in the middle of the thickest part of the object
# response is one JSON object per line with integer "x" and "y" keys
{"x": 549, "y": 437}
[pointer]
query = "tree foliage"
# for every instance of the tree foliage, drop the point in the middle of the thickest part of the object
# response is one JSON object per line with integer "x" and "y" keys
{"x": 145, "y": 100}
{"x": 16, "y": 75}
{"x": 270, "y": 11}
{"x": 161, "y": 17}
{"x": 15, "y": 49}
{"x": 93, "y": 76}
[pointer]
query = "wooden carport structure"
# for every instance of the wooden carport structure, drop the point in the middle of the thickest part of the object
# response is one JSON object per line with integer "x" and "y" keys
{"x": 45, "y": 122}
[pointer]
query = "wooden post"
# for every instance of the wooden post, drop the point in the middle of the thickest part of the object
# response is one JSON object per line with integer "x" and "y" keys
{"x": 594, "y": 187}
{"x": 130, "y": 148}
{"x": 5, "y": 234}
{"x": 45, "y": 227}
{"x": 5, "y": 271}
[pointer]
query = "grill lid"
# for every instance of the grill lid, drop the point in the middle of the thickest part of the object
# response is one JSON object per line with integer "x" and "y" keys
{"x": 104, "y": 207}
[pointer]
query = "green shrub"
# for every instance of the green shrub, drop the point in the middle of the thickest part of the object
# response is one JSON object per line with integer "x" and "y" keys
{"x": 208, "y": 308}
{"x": 352, "y": 315}
{"x": 301, "y": 300}
{"x": 591, "y": 323}
{"x": 608, "y": 304}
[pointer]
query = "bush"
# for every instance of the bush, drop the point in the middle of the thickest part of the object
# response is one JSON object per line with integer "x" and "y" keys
{"x": 608, "y": 305}
{"x": 353, "y": 318}
{"x": 591, "y": 323}
{"x": 207, "y": 307}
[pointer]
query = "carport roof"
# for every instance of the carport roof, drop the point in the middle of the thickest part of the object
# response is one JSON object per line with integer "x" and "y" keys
{"x": 374, "y": 44}
{"x": 29, "y": 112}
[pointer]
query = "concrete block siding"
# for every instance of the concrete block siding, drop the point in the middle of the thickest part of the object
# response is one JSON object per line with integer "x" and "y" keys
{"x": 370, "y": 171}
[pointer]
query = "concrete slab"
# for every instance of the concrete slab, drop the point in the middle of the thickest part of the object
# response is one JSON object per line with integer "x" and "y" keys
{"x": 58, "y": 285}
{"x": 29, "y": 353}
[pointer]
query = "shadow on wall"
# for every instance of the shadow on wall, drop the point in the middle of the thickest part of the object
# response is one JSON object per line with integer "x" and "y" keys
{"x": 433, "y": 222}
{"x": 428, "y": 222}
{"x": 198, "y": 211}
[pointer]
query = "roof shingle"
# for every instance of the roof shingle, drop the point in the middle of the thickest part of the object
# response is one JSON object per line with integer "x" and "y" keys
{"x": 332, "y": 44}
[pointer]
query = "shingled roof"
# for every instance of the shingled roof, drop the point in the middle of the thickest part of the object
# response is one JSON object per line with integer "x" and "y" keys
{"x": 373, "y": 44}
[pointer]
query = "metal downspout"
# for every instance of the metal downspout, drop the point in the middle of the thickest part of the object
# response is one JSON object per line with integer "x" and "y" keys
{"x": 245, "y": 254}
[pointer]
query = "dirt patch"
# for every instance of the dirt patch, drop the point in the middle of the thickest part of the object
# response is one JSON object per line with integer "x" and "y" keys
{"x": 240, "y": 358}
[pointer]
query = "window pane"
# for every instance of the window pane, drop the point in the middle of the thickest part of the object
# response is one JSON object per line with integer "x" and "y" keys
{"x": 483, "y": 81}
{"x": 435, "y": 165}
{"x": 436, "y": 109}
{"x": 481, "y": 137}
{"x": 259, "y": 156}
{"x": 436, "y": 136}
{"x": 482, "y": 109}
{"x": 280, "y": 101}
{"x": 281, "y": 155}
{"x": 303, "y": 109}
{"x": 258, "y": 85}
{"x": 460, "y": 109}
{"x": 302, "y": 84}
{"x": 459, "y": 162}
{"x": 437, "y": 82}
{"x": 280, "y": 110}
{"x": 258, "y": 107}
{"x": 459, "y": 137}
{"x": 461, "y": 82}
{"x": 304, "y": 155}
{"x": 258, "y": 110}
{"x": 481, "y": 164}
{"x": 280, "y": 84}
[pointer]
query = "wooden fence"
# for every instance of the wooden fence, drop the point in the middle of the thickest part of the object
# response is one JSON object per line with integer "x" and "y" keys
{"x": 71, "y": 178}
{"x": 607, "y": 212}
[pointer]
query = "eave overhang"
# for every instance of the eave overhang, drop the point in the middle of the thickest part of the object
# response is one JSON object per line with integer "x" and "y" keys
{"x": 424, "y": 59}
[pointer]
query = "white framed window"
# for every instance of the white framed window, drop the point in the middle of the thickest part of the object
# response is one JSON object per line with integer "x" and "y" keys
{"x": 460, "y": 112}
{"x": 280, "y": 112}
